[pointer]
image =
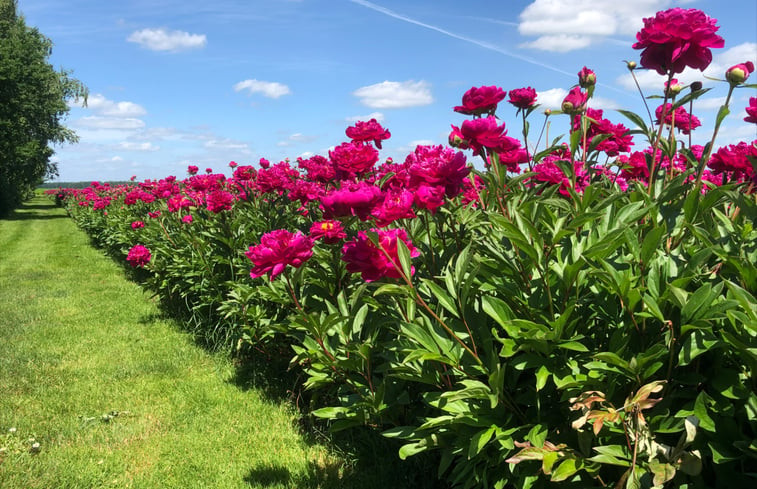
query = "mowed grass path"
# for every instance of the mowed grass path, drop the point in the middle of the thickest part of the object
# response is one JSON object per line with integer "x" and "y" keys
{"x": 79, "y": 341}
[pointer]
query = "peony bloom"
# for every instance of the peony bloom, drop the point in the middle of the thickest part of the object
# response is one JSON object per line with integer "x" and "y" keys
{"x": 264, "y": 163}
{"x": 523, "y": 98}
{"x": 437, "y": 166}
{"x": 751, "y": 110}
{"x": 355, "y": 199}
{"x": 676, "y": 38}
{"x": 137, "y": 224}
{"x": 397, "y": 204}
{"x": 575, "y": 101}
{"x": 219, "y": 200}
{"x": 619, "y": 140}
{"x": 681, "y": 119}
{"x": 586, "y": 78}
{"x": 153, "y": 215}
{"x": 352, "y": 159}
{"x": 376, "y": 262}
{"x": 232, "y": 164}
{"x": 634, "y": 166}
{"x": 318, "y": 168}
{"x": 187, "y": 219}
{"x": 278, "y": 249}
{"x": 548, "y": 171}
{"x": 368, "y": 131}
{"x": 192, "y": 170}
{"x": 138, "y": 256}
{"x": 733, "y": 159}
{"x": 480, "y": 100}
{"x": 328, "y": 231}
{"x": 737, "y": 74}
{"x": 457, "y": 140}
{"x": 485, "y": 133}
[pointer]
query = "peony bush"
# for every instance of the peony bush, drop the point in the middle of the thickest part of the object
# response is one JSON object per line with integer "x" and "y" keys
{"x": 580, "y": 312}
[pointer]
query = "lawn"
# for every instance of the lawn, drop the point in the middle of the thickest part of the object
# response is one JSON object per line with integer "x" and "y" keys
{"x": 99, "y": 389}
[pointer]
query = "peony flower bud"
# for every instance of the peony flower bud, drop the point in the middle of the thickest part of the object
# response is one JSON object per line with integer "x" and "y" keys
{"x": 586, "y": 78}
{"x": 673, "y": 88}
{"x": 631, "y": 65}
{"x": 737, "y": 74}
{"x": 696, "y": 86}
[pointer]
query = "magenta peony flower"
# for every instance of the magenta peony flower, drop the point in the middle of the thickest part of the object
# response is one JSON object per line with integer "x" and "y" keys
{"x": 548, "y": 171}
{"x": 187, "y": 219}
{"x": 676, "y": 38}
{"x": 245, "y": 173}
{"x": 377, "y": 262}
{"x": 523, "y": 98}
{"x": 620, "y": 141}
{"x": 575, "y": 101}
{"x": 138, "y": 256}
{"x": 457, "y": 140}
{"x": 137, "y": 224}
{"x": 192, "y": 170}
{"x": 683, "y": 121}
{"x": 733, "y": 159}
{"x": 232, "y": 164}
{"x": 751, "y": 110}
{"x": 219, "y": 200}
{"x": 318, "y": 168}
{"x": 368, "y": 131}
{"x": 634, "y": 166}
{"x": 278, "y": 249}
{"x": 485, "y": 133}
{"x": 737, "y": 74}
{"x": 351, "y": 159}
{"x": 264, "y": 163}
{"x": 429, "y": 197}
{"x": 397, "y": 204}
{"x": 437, "y": 166}
{"x": 480, "y": 100}
{"x": 328, "y": 231}
{"x": 278, "y": 178}
{"x": 354, "y": 199}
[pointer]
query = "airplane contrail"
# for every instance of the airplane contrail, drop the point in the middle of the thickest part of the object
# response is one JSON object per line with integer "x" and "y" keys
{"x": 470, "y": 40}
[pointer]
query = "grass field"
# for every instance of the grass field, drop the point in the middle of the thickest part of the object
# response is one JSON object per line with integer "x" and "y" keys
{"x": 115, "y": 395}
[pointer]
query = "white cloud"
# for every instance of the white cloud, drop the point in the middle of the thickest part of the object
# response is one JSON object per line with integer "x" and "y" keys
{"x": 227, "y": 144}
{"x": 395, "y": 95}
{"x": 102, "y": 106}
{"x": 267, "y": 89}
{"x": 561, "y": 43}
{"x": 98, "y": 122}
{"x": 567, "y": 25}
{"x": 552, "y": 98}
{"x": 163, "y": 40}
{"x": 132, "y": 146}
{"x": 296, "y": 138}
{"x": 373, "y": 115}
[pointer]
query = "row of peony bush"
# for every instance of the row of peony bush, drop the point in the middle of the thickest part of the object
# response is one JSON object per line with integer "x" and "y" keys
{"x": 579, "y": 313}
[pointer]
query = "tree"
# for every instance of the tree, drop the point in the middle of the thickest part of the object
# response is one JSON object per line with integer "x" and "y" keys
{"x": 33, "y": 103}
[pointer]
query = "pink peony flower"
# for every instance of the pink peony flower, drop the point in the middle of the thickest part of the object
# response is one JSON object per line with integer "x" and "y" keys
{"x": 397, "y": 204}
{"x": 153, "y": 215}
{"x": 751, "y": 110}
{"x": 264, "y": 163}
{"x": 328, "y": 231}
{"x": 368, "y": 131}
{"x": 192, "y": 170}
{"x": 354, "y": 199}
{"x": 278, "y": 249}
{"x": 232, "y": 164}
{"x": 480, "y": 100}
{"x": 353, "y": 159}
{"x": 137, "y": 224}
{"x": 376, "y": 262}
{"x": 682, "y": 121}
{"x": 733, "y": 159}
{"x": 437, "y": 166}
{"x": 245, "y": 173}
{"x": 523, "y": 98}
{"x": 219, "y": 200}
{"x": 676, "y": 38}
{"x": 620, "y": 141}
{"x": 485, "y": 133}
{"x": 318, "y": 168}
{"x": 575, "y": 101}
{"x": 187, "y": 219}
{"x": 737, "y": 74}
{"x": 138, "y": 256}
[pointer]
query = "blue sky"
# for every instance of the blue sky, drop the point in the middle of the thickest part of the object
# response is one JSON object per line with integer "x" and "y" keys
{"x": 180, "y": 82}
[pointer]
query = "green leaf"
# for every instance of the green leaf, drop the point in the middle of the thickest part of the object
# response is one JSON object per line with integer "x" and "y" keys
{"x": 567, "y": 468}
{"x": 498, "y": 310}
{"x": 636, "y": 119}
{"x": 652, "y": 242}
{"x": 442, "y": 297}
{"x": 411, "y": 449}
{"x": 479, "y": 440}
{"x": 537, "y": 435}
{"x": 700, "y": 411}
{"x": 722, "y": 114}
{"x": 696, "y": 343}
{"x": 403, "y": 253}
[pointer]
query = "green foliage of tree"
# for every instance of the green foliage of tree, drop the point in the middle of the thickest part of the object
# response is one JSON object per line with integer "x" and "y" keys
{"x": 33, "y": 104}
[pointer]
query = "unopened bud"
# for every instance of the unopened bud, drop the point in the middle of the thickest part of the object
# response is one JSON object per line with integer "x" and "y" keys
{"x": 547, "y": 112}
{"x": 631, "y": 65}
{"x": 673, "y": 88}
{"x": 736, "y": 75}
{"x": 696, "y": 86}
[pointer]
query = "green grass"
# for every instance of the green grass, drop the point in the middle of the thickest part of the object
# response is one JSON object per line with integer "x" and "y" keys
{"x": 117, "y": 396}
